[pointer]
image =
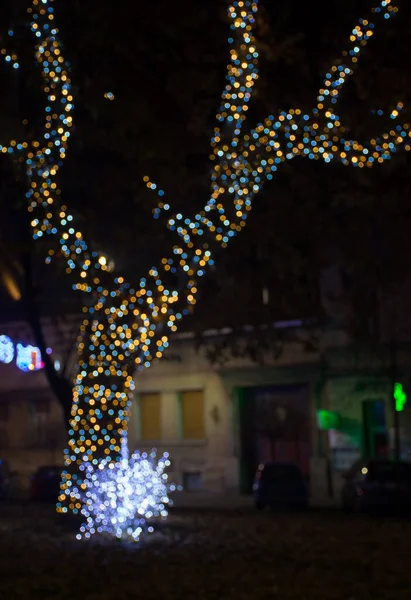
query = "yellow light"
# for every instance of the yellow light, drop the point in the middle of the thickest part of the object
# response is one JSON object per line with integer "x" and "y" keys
{"x": 11, "y": 285}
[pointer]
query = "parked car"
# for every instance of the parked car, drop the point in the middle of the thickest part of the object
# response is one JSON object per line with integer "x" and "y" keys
{"x": 5, "y": 481}
{"x": 377, "y": 484}
{"x": 280, "y": 484}
{"x": 45, "y": 484}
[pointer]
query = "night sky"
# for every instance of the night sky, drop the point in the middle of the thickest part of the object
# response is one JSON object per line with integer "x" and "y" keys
{"x": 165, "y": 65}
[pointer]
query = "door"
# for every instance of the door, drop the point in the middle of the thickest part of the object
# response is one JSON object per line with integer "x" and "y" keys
{"x": 375, "y": 435}
{"x": 274, "y": 426}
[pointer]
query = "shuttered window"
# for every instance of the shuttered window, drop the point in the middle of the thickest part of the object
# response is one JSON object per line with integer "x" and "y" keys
{"x": 192, "y": 415}
{"x": 150, "y": 416}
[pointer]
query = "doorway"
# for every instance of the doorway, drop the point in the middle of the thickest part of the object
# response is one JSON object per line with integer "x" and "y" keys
{"x": 274, "y": 426}
{"x": 375, "y": 434}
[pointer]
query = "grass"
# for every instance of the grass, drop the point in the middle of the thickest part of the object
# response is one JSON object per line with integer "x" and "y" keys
{"x": 312, "y": 556}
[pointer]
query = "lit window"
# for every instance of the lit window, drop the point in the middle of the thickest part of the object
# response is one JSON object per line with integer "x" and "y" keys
{"x": 192, "y": 415}
{"x": 150, "y": 416}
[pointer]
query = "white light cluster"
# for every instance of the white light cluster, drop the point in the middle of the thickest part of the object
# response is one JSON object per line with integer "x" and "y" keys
{"x": 122, "y": 498}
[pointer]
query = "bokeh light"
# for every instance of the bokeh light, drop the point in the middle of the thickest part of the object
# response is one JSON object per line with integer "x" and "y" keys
{"x": 124, "y": 498}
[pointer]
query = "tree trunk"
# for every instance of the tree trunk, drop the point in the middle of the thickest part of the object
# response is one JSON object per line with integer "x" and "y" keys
{"x": 61, "y": 386}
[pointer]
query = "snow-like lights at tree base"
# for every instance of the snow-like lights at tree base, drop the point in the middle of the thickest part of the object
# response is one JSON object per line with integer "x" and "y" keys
{"x": 122, "y": 498}
{"x": 126, "y": 325}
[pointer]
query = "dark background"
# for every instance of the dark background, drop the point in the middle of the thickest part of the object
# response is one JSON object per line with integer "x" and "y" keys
{"x": 165, "y": 64}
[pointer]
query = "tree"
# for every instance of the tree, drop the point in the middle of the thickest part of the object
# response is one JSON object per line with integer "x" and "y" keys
{"x": 127, "y": 325}
{"x": 92, "y": 120}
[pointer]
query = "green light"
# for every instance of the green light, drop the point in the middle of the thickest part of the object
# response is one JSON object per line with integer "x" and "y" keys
{"x": 400, "y": 397}
{"x": 328, "y": 420}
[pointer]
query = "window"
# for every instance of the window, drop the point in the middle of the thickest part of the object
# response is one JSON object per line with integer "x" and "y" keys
{"x": 40, "y": 421}
{"x": 192, "y": 415}
{"x": 150, "y": 416}
{"x": 4, "y": 421}
{"x": 192, "y": 482}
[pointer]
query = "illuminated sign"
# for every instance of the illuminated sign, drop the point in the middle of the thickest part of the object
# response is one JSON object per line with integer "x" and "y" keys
{"x": 400, "y": 397}
{"x": 6, "y": 349}
{"x": 28, "y": 358}
{"x": 328, "y": 420}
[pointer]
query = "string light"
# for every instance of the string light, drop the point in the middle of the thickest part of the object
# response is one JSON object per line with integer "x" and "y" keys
{"x": 243, "y": 164}
{"x": 126, "y": 325}
{"x": 122, "y": 498}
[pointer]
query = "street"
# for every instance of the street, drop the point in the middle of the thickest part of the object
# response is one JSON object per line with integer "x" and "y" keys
{"x": 222, "y": 555}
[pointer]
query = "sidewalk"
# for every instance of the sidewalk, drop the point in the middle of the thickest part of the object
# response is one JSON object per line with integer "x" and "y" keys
{"x": 227, "y": 501}
{"x": 212, "y": 501}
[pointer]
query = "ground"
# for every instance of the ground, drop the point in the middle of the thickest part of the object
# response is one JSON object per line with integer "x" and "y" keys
{"x": 206, "y": 556}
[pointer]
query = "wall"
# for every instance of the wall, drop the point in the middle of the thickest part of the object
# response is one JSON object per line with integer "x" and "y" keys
{"x": 345, "y": 396}
{"x": 21, "y": 391}
{"x": 183, "y": 368}
{"x": 23, "y": 453}
{"x": 209, "y": 456}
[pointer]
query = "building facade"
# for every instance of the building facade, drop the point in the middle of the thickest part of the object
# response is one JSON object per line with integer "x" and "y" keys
{"x": 218, "y": 422}
{"x": 321, "y": 409}
{"x": 32, "y": 429}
